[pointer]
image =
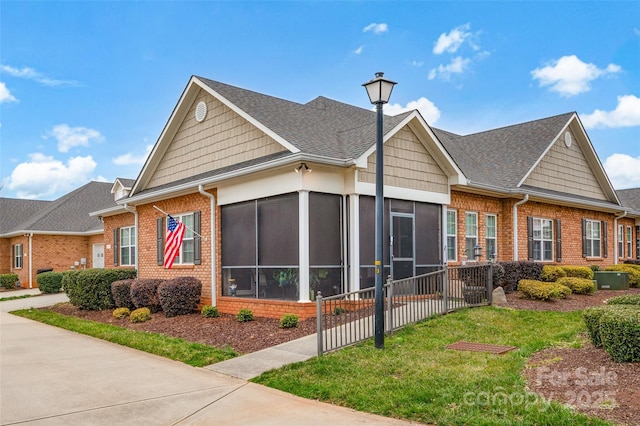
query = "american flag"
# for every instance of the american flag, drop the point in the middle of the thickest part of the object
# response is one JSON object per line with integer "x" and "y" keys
{"x": 175, "y": 233}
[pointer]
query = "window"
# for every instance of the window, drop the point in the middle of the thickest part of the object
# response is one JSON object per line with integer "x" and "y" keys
{"x": 187, "y": 249}
{"x": 541, "y": 239}
{"x": 592, "y": 238}
{"x": 629, "y": 242}
{"x": 452, "y": 237}
{"x": 471, "y": 234}
{"x": 491, "y": 236}
{"x": 620, "y": 241}
{"x": 17, "y": 256}
{"x": 128, "y": 246}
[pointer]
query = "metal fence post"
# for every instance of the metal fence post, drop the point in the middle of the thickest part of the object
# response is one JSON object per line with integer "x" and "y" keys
{"x": 319, "y": 323}
{"x": 490, "y": 284}
{"x": 445, "y": 289}
{"x": 389, "y": 287}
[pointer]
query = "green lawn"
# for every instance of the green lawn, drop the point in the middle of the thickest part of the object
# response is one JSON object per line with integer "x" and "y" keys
{"x": 195, "y": 354}
{"x": 415, "y": 378}
{"x": 24, "y": 296}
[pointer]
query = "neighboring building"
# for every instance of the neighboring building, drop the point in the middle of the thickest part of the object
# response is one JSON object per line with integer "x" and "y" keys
{"x": 631, "y": 199}
{"x": 58, "y": 235}
{"x": 278, "y": 198}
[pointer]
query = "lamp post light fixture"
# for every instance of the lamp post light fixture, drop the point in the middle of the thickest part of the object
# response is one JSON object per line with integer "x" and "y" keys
{"x": 379, "y": 90}
{"x": 477, "y": 251}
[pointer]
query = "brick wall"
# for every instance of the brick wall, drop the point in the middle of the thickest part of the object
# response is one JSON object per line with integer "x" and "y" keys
{"x": 5, "y": 256}
{"x": 111, "y": 223}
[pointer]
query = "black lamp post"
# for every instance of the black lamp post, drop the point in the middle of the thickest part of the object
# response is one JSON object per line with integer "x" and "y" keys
{"x": 379, "y": 90}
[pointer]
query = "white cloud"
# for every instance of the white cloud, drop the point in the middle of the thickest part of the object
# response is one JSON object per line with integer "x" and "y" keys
{"x": 569, "y": 76}
{"x": 451, "y": 42}
{"x": 376, "y": 28}
{"x": 359, "y": 50}
{"x": 68, "y": 137}
{"x": 418, "y": 64}
{"x": 31, "y": 74}
{"x": 458, "y": 65}
{"x": 43, "y": 176}
{"x": 427, "y": 109}
{"x": 626, "y": 114}
{"x": 623, "y": 171}
{"x": 129, "y": 158}
{"x": 5, "y": 94}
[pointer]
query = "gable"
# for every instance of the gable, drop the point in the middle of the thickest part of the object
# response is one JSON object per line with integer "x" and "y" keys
{"x": 222, "y": 139}
{"x": 566, "y": 169}
{"x": 407, "y": 164}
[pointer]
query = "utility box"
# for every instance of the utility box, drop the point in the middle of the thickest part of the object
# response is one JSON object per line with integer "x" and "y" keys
{"x": 612, "y": 280}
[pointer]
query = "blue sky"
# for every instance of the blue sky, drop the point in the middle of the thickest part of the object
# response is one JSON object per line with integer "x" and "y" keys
{"x": 87, "y": 87}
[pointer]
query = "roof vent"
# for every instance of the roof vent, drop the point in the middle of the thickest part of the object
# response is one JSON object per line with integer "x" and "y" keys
{"x": 201, "y": 111}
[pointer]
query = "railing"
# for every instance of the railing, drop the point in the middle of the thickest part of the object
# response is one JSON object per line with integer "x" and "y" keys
{"x": 349, "y": 318}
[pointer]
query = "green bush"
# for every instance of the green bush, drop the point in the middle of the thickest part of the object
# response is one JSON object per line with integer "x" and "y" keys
{"x": 144, "y": 293}
{"x": 289, "y": 321}
{"x": 620, "y": 334}
{"x": 209, "y": 311}
{"x": 140, "y": 315}
{"x": 578, "y": 285}
{"x": 121, "y": 292}
{"x": 121, "y": 313}
{"x": 632, "y": 270}
{"x": 91, "y": 288}
{"x": 629, "y": 299}
{"x": 513, "y": 272}
{"x": 591, "y": 317}
{"x": 578, "y": 272}
{"x": 49, "y": 282}
{"x": 245, "y": 315}
{"x": 180, "y": 296}
{"x": 533, "y": 289}
{"x": 8, "y": 281}
{"x": 594, "y": 268}
{"x": 551, "y": 273}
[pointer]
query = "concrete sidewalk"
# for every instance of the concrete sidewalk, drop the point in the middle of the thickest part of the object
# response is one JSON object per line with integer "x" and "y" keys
{"x": 51, "y": 376}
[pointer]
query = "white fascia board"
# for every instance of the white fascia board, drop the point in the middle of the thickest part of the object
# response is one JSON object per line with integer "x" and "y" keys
{"x": 111, "y": 211}
{"x": 395, "y": 192}
{"x": 67, "y": 233}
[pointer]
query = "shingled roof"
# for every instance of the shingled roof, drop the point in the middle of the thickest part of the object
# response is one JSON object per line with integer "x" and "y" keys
{"x": 630, "y": 198}
{"x": 67, "y": 214}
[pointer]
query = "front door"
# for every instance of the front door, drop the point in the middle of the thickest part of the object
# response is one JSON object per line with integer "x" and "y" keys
{"x": 98, "y": 255}
{"x": 402, "y": 246}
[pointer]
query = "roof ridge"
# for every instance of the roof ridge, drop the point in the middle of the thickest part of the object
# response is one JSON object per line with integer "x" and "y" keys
{"x": 518, "y": 124}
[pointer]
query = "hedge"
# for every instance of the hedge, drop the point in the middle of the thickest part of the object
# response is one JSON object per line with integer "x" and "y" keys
{"x": 91, "y": 288}
{"x": 629, "y": 299}
{"x": 578, "y": 272}
{"x": 9, "y": 281}
{"x": 620, "y": 334}
{"x": 49, "y": 282}
{"x": 144, "y": 294}
{"x": 513, "y": 272}
{"x": 551, "y": 273}
{"x": 121, "y": 292}
{"x": 578, "y": 285}
{"x": 180, "y": 296}
{"x": 533, "y": 289}
{"x": 632, "y": 270}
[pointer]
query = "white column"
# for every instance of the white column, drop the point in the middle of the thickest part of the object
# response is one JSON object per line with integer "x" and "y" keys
{"x": 354, "y": 242}
{"x": 443, "y": 247}
{"x": 303, "y": 246}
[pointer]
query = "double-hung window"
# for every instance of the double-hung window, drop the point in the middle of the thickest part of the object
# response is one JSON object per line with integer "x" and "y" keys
{"x": 620, "y": 241}
{"x": 593, "y": 238}
{"x": 542, "y": 240}
{"x": 452, "y": 237}
{"x": 187, "y": 249}
{"x": 629, "y": 242}
{"x": 491, "y": 233}
{"x": 471, "y": 234}
{"x": 128, "y": 246}
{"x": 17, "y": 256}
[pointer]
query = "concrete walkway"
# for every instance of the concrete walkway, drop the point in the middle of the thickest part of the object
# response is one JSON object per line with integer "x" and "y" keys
{"x": 51, "y": 376}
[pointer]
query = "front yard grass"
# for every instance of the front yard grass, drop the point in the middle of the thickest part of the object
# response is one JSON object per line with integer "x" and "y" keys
{"x": 195, "y": 354}
{"x": 416, "y": 378}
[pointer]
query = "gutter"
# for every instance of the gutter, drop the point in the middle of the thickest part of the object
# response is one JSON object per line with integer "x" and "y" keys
{"x": 135, "y": 215}
{"x": 212, "y": 210}
{"x": 615, "y": 230}
{"x": 515, "y": 226}
{"x": 30, "y": 235}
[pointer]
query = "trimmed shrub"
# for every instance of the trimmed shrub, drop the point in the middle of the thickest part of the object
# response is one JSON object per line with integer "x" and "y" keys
{"x": 49, "y": 282}
{"x": 632, "y": 270}
{"x": 140, "y": 315}
{"x": 620, "y": 334}
{"x": 533, "y": 289}
{"x": 578, "y": 285}
{"x": 629, "y": 299}
{"x": 209, "y": 311}
{"x": 578, "y": 272}
{"x": 121, "y": 292}
{"x": 144, "y": 293}
{"x": 9, "y": 281}
{"x": 289, "y": 321}
{"x": 498, "y": 275}
{"x": 180, "y": 296}
{"x": 591, "y": 317}
{"x": 551, "y": 273}
{"x": 632, "y": 262}
{"x": 594, "y": 268}
{"x": 516, "y": 271}
{"x": 245, "y": 315}
{"x": 121, "y": 313}
{"x": 91, "y": 288}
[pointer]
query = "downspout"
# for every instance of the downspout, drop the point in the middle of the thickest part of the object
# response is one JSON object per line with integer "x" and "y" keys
{"x": 615, "y": 232}
{"x": 135, "y": 215}
{"x": 515, "y": 226}
{"x": 213, "y": 242}
{"x": 31, "y": 260}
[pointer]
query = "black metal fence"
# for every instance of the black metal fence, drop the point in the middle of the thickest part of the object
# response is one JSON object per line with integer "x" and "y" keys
{"x": 349, "y": 318}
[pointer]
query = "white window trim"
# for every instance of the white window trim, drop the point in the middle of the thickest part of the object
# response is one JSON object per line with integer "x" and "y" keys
{"x": 542, "y": 239}
{"x": 454, "y": 235}
{"x": 629, "y": 242}
{"x": 18, "y": 253}
{"x": 591, "y": 240}
{"x": 620, "y": 241}
{"x": 132, "y": 235}
{"x": 494, "y": 238}
{"x": 470, "y": 256}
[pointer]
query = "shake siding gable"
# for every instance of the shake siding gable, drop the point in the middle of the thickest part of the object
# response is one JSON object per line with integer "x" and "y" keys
{"x": 565, "y": 169}
{"x": 407, "y": 164}
{"x": 224, "y": 138}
